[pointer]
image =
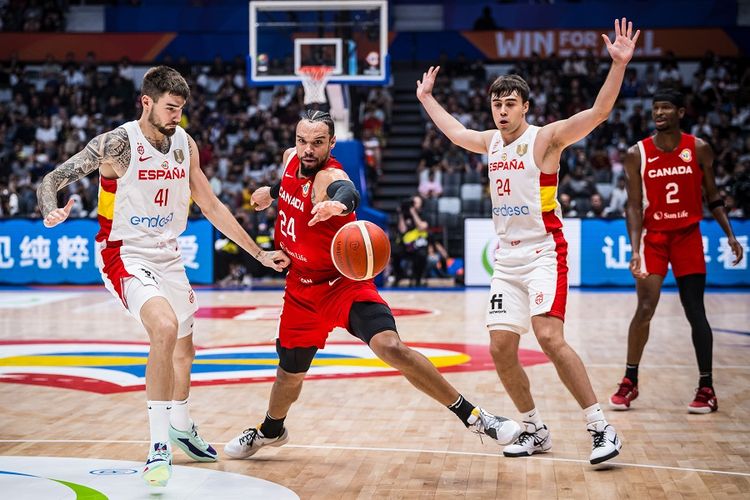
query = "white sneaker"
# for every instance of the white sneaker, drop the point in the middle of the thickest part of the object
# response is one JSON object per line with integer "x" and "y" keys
{"x": 158, "y": 468}
{"x": 532, "y": 440}
{"x": 501, "y": 429}
{"x": 250, "y": 441}
{"x": 606, "y": 442}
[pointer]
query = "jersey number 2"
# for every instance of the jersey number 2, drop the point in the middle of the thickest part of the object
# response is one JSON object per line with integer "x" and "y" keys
{"x": 672, "y": 189}
{"x": 287, "y": 226}
{"x": 162, "y": 197}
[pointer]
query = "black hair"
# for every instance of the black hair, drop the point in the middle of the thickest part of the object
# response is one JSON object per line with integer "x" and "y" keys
{"x": 670, "y": 95}
{"x": 505, "y": 85}
{"x": 162, "y": 79}
{"x": 315, "y": 115}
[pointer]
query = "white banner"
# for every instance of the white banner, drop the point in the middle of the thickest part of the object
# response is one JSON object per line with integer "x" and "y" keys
{"x": 480, "y": 242}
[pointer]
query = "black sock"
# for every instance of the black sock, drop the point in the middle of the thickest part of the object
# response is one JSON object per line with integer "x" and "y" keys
{"x": 271, "y": 427}
{"x": 706, "y": 380}
{"x": 462, "y": 408}
{"x": 631, "y": 372}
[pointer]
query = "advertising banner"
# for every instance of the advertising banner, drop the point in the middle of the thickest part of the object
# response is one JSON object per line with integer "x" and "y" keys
{"x": 685, "y": 43}
{"x": 605, "y": 254}
{"x": 65, "y": 254}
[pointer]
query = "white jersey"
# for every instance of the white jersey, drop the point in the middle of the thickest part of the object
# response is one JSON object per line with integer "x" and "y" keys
{"x": 149, "y": 204}
{"x": 524, "y": 200}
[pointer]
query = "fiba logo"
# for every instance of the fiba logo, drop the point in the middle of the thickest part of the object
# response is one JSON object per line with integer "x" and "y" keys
{"x": 165, "y": 164}
{"x": 686, "y": 155}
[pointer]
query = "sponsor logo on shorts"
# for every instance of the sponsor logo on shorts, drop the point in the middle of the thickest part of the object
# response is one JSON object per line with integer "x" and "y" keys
{"x": 496, "y": 304}
{"x": 511, "y": 210}
{"x": 156, "y": 221}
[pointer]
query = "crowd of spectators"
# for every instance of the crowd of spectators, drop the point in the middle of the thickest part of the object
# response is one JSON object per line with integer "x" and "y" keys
{"x": 591, "y": 175}
{"x": 32, "y": 15}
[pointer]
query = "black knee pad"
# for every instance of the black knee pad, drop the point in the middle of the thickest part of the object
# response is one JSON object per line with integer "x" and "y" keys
{"x": 296, "y": 359}
{"x": 367, "y": 319}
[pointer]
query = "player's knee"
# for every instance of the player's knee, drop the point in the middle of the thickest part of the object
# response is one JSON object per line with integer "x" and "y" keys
{"x": 185, "y": 355}
{"x": 288, "y": 380}
{"x": 551, "y": 342}
{"x": 645, "y": 310}
{"x": 163, "y": 332}
{"x": 503, "y": 352}
{"x": 388, "y": 347}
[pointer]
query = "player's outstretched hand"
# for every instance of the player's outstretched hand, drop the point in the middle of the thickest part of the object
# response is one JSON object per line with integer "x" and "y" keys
{"x": 261, "y": 198}
{"x": 623, "y": 47}
{"x": 58, "y": 215}
{"x": 424, "y": 86}
{"x": 737, "y": 250}
{"x": 324, "y": 210}
{"x": 275, "y": 259}
{"x": 635, "y": 267}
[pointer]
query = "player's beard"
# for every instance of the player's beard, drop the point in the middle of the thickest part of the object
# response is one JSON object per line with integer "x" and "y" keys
{"x": 311, "y": 171}
{"x": 168, "y": 132}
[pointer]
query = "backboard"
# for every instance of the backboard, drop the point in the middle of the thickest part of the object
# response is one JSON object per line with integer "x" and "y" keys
{"x": 351, "y": 36}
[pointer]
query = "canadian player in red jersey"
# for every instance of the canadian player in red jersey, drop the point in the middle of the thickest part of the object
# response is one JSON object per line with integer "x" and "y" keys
{"x": 315, "y": 198}
{"x": 668, "y": 174}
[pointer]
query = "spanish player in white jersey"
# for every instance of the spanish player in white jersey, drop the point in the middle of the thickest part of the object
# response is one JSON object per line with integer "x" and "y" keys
{"x": 149, "y": 169}
{"x": 529, "y": 283}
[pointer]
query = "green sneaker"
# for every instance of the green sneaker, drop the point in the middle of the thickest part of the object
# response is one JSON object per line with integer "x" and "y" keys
{"x": 192, "y": 444}
{"x": 158, "y": 468}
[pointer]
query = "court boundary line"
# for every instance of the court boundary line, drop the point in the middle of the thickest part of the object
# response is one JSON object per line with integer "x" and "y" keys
{"x": 407, "y": 450}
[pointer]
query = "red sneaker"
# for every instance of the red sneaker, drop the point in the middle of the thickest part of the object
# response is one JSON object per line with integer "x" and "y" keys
{"x": 626, "y": 393}
{"x": 704, "y": 402}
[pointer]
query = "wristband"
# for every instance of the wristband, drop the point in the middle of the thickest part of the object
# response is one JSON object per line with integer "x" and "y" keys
{"x": 275, "y": 189}
{"x": 716, "y": 204}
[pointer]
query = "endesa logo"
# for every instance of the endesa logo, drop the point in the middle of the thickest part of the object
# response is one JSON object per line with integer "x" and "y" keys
{"x": 152, "y": 222}
{"x": 511, "y": 210}
{"x": 157, "y": 175}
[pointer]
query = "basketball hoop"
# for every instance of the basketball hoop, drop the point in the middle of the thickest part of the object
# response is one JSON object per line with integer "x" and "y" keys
{"x": 314, "y": 79}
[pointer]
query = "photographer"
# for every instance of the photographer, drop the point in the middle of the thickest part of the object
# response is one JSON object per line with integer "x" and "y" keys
{"x": 412, "y": 258}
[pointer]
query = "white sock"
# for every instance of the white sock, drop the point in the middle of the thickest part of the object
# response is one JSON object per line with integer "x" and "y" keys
{"x": 532, "y": 417}
{"x": 158, "y": 420}
{"x": 179, "y": 415}
{"x": 594, "y": 413}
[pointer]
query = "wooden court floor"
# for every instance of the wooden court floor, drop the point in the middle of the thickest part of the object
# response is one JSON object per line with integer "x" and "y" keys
{"x": 372, "y": 436}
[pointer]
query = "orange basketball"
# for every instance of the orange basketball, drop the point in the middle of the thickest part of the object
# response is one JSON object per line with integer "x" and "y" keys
{"x": 360, "y": 250}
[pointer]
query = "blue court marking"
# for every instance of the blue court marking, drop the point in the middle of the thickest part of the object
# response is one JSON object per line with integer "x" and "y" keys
{"x": 11, "y": 473}
{"x": 736, "y": 332}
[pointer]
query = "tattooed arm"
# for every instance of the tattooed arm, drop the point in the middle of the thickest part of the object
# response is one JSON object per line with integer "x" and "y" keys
{"x": 109, "y": 152}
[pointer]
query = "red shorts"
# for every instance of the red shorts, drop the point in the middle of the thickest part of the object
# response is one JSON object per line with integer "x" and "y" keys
{"x": 683, "y": 248}
{"x": 311, "y": 311}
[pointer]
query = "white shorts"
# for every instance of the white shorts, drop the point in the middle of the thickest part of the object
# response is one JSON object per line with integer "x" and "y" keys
{"x": 528, "y": 280}
{"x": 136, "y": 274}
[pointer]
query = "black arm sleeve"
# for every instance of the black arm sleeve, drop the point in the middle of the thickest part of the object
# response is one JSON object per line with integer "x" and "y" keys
{"x": 275, "y": 190}
{"x": 345, "y": 192}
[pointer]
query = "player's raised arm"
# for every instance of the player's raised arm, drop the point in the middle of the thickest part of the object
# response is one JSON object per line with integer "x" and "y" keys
{"x": 220, "y": 216}
{"x": 566, "y": 132}
{"x": 334, "y": 194}
{"x": 713, "y": 198}
{"x": 473, "y": 140}
{"x": 109, "y": 151}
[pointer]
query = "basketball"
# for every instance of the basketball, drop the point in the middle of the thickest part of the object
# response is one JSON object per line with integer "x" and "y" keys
{"x": 360, "y": 250}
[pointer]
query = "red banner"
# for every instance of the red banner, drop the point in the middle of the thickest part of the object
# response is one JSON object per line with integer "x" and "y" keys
{"x": 138, "y": 47}
{"x": 685, "y": 43}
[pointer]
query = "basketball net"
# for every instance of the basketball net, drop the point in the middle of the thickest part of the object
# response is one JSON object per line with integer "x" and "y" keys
{"x": 314, "y": 79}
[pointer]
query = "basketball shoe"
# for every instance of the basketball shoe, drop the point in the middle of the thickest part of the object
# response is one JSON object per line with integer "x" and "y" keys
{"x": 532, "y": 440}
{"x": 704, "y": 402}
{"x": 626, "y": 393}
{"x": 606, "y": 442}
{"x": 501, "y": 429}
{"x": 158, "y": 468}
{"x": 192, "y": 444}
{"x": 250, "y": 441}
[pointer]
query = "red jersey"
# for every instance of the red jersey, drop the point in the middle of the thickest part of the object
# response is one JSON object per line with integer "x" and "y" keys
{"x": 308, "y": 247}
{"x": 672, "y": 182}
